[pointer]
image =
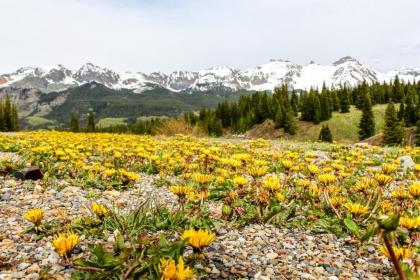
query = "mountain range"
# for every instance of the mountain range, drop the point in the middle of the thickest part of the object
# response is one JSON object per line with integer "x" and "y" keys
{"x": 346, "y": 70}
{"x": 46, "y": 96}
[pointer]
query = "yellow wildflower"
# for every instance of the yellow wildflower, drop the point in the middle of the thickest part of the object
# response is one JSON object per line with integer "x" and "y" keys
{"x": 414, "y": 189}
{"x": 181, "y": 191}
{"x": 199, "y": 239}
{"x": 388, "y": 168}
{"x": 257, "y": 171}
{"x": 34, "y": 216}
{"x": 400, "y": 252}
{"x": 202, "y": 178}
{"x": 356, "y": 208}
{"x": 100, "y": 210}
{"x": 240, "y": 181}
{"x": 327, "y": 178}
{"x": 170, "y": 271}
{"x": 64, "y": 243}
{"x": 313, "y": 169}
{"x": 271, "y": 183}
{"x": 383, "y": 179}
{"x": 410, "y": 223}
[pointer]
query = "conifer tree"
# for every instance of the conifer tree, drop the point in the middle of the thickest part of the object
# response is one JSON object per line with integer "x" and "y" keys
{"x": 410, "y": 115}
{"x": 7, "y": 114}
{"x": 393, "y": 133}
{"x": 325, "y": 134}
{"x": 294, "y": 103}
{"x": 316, "y": 110}
{"x": 2, "y": 122}
{"x": 15, "y": 118}
{"x": 401, "y": 110}
{"x": 289, "y": 123}
{"x": 367, "y": 122}
{"x": 397, "y": 90}
{"x": 417, "y": 133}
{"x": 74, "y": 123}
{"x": 344, "y": 101}
{"x": 279, "y": 119}
{"x": 325, "y": 106}
{"x": 90, "y": 122}
{"x": 335, "y": 101}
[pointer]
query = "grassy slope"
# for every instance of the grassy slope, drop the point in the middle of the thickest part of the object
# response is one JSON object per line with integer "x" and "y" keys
{"x": 106, "y": 122}
{"x": 344, "y": 127}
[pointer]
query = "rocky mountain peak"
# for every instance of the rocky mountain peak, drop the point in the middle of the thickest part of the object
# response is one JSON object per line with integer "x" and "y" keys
{"x": 346, "y": 70}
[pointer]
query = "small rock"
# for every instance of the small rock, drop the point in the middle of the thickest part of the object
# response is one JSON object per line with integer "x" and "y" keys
{"x": 271, "y": 256}
{"x": 5, "y": 197}
{"x": 29, "y": 173}
{"x": 215, "y": 271}
{"x": 34, "y": 268}
{"x": 407, "y": 163}
{"x": 37, "y": 189}
{"x": 23, "y": 266}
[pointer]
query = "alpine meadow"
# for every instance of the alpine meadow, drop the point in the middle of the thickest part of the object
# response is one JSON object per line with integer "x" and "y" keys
{"x": 138, "y": 140}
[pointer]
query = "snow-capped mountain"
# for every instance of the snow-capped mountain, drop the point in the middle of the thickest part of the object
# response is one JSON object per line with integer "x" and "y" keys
{"x": 346, "y": 70}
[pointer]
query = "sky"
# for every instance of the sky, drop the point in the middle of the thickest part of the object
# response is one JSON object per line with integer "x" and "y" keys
{"x": 168, "y": 35}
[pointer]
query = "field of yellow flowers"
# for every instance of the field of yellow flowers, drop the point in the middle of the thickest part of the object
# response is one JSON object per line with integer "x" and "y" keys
{"x": 129, "y": 207}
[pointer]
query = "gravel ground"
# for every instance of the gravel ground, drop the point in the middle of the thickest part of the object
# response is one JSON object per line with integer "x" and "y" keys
{"x": 252, "y": 252}
{"x": 266, "y": 252}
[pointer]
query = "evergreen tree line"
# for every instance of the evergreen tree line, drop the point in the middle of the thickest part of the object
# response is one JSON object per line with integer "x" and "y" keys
{"x": 136, "y": 127}
{"x": 314, "y": 106}
{"x": 249, "y": 110}
{"x": 9, "y": 119}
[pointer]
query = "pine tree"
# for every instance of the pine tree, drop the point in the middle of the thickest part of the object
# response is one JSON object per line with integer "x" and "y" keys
{"x": 344, "y": 101}
{"x": 294, "y": 103}
{"x": 325, "y": 134}
{"x": 316, "y": 110}
{"x": 91, "y": 122}
{"x": 7, "y": 114}
{"x": 279, "y": 119}
{"x": 289, "y": 123}
{"x": 2, "y": 122}
{"x": 401, "y": 110}
{"x": 367, "y": 122}
{"x": 393, "y": 130}
{"x": 325, "y": 106}
{"x": 410, "y": 116}
{"x": 418, "y": 133}
{"x": 397, "y": 90}
{"x": 335, "y": 101}
{"x": 15, "y": 118}
{"x": 74, "y": 123}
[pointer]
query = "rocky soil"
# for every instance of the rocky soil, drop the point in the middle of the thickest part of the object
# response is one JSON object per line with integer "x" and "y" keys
{"x": 252, "y": 252}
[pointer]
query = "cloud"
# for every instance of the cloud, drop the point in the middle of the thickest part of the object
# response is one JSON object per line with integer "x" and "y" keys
{"x": 165, "y": 35}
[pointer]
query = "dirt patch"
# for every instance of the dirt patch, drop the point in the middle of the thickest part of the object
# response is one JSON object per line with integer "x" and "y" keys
{"x": 266, "y": 130}
{"x": 376, "y": 140}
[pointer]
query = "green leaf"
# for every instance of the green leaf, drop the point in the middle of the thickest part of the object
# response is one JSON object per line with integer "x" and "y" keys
{"x": 370, "y": 232}
{"x": 353, "y": 227}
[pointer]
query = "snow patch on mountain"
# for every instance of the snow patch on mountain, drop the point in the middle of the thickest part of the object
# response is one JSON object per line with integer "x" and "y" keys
{"x": 345, "y": 71}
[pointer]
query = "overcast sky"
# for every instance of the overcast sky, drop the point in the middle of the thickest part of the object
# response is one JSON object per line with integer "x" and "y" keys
{"x": 166, "y": 35}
